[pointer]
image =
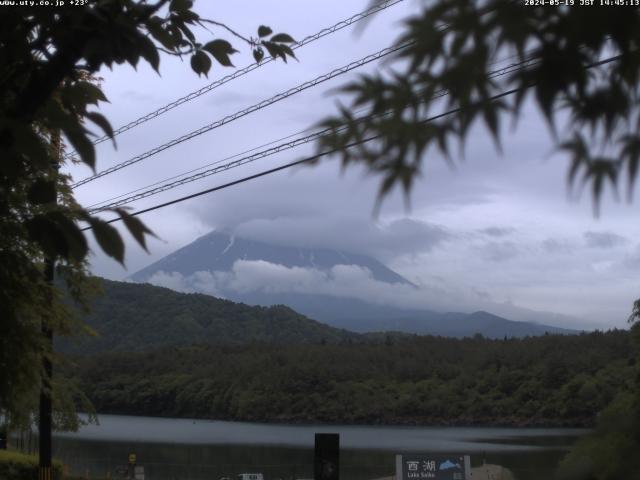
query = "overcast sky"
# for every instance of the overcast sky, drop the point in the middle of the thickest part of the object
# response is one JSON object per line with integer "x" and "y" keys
{"x": 495, "y": 230}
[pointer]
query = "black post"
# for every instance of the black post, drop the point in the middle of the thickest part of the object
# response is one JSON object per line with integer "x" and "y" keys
{"x": 44, "y": 427}
{"x": 45, "y": 420}
{"x": 4, "y": 432}
{"x": 327, "y": 457}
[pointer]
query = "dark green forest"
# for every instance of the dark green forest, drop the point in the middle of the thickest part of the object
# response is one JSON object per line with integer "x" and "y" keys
{"x": 552, "y": 380}
{"x": 132, "y": 316}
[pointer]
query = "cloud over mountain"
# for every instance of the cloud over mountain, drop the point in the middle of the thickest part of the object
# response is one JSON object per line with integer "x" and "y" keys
{"x": 603, "y": 239}
{"x": 377, "y": 239}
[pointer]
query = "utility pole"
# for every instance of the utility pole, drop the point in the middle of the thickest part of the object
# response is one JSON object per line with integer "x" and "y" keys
{"x": 44, "y": 427}
{"x": 326, "y": 458}
{"x": 46, "y": 390}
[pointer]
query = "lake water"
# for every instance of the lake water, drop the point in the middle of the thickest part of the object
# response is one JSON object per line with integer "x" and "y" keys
{"x": 181, "y": 449}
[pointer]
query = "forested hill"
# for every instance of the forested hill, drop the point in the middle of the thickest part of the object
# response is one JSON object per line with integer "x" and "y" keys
{"x": 131, "y": 317}
{"x": 548, "y": 380}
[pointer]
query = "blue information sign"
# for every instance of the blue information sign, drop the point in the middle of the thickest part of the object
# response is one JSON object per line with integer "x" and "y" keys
{"x": 433, "y": 467}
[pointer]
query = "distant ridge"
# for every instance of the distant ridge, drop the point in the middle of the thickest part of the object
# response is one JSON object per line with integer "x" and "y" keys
{"x": 358, "y": 316}
{"x": 217, "y": 252}
{"x": 134, "y": 317}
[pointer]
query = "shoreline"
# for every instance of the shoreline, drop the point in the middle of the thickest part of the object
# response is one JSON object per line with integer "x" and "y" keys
{"x": 373, "y": 422}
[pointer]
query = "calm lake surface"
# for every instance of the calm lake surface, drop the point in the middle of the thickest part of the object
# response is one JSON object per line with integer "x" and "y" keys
{"x": 181, "y": 449}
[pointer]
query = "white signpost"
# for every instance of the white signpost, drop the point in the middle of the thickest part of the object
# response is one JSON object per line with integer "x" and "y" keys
{"x": 139, "y": 472}
{"x": 433, "y": 467}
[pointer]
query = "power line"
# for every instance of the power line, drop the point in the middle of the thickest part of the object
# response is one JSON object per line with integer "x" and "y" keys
{"x": 183, "y": 179}
{"x": 227, "y": 166}
{"x": 241, "y": 113}
{"x": 336, "y": 150}
{"x": 310, "y": 159}
{"x": 167, "y": 184}
{"x": 179, "y": 175}
{"x": 529, "y": 61}
{"x": 243, "y": 71}
{"x": 263, "y": 104}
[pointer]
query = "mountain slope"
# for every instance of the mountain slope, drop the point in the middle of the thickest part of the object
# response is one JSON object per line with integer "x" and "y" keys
{"x": 131, "y": 317}
{"x": 218, "y": 251}
{"x": 215, "y": 257}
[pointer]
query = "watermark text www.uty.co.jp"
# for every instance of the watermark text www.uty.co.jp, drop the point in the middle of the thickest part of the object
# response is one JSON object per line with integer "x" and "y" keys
{"x": 43, "y": 3}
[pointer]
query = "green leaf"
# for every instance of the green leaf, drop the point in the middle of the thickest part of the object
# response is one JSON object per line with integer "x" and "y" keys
{"x": 287, "y": 50}
{"x": 258, "y": 54}
{"x": 32, "y": 146}
{"x": 108, "y": 238}
{"x": 149, "y": 52}
{"x": 102, "y": 122}
{"x": 42, "y": 192}
{"x": 96, "y": 51}
{"x": 220, "y": 50}
{"x": 578, "y": 149}
{"x": 77, "y": 247}
{"x": 200, "y": 63}
{"x": 263, "y": 31}
{"x": 54, "y": 116}
{"x": 160, "y": 34}
{"x": 81, "y": 144}
{"x": 135, "y": 227}
{"x": 180, "y": 5}
{"x": 631, "y": 154}
{"x": 490, "y": 113}
{"x": 90, "y": 92}
{"x": 44, "y": 232}
{"x": 601, "y": 170}
{"x": 184, "y": 29}
{"x": 282, "y": 38}
{"x": 58, "y": 236}
{"x": 275, "y": 50}
{"x": 189, "y": 17}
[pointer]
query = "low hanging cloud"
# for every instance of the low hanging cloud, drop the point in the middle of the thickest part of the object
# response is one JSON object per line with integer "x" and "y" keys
{"x": 199, "y": 282}
{"x": 515, "y": 272}
{"x": 557, "y": 246}
{"x": 383, "y": 241}
{"x": 631, "y": 261}
{"x": 603, "y": 239}
{"x": 500, "y": 251}
{"x": 345, "y": 281}
{"x": 497, "y": 231}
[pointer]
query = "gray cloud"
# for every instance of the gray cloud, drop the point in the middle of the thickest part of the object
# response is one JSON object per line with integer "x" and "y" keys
{"x": 500, "y": 251}
{"x": 631, "y": 260}
{"x": 349, "y": 281}
{"x": 545, "y": 262}
{"x": 603, "y": 239}
{"x": 497, "y": 231}
{"x": 352, "y": 234}
{"x": 482, "y": 294}
{"x": 557, "y": 246}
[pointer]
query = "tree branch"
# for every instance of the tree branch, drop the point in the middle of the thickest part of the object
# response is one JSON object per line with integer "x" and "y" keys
{"x": 230, "y": 30}
{"x": 43, "y": 82}
{"x": 176, "y": 53}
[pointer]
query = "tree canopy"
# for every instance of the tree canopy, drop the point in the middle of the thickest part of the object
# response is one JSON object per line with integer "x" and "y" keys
{"x": 48, "y": 57}
{"x": 551, "y": 380}
{"x": 581, "y": 63}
